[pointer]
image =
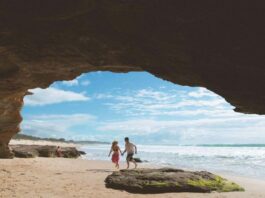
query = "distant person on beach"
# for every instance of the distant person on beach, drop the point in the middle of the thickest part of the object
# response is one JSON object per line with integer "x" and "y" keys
{"x": 131, "y": 149}
{"x": 59, "y": 151}
{"x": 116, "y": 154}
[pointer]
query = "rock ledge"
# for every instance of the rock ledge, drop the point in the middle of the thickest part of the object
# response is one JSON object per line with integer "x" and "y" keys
{"x": 30, "y": 151}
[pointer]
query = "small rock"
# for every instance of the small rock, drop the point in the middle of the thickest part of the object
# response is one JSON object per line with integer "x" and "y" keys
{"x": 139, "y": 160}
{"x": 82, "y": 152}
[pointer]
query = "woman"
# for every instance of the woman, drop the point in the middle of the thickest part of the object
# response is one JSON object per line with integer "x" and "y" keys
{"x": 116, "y": 154}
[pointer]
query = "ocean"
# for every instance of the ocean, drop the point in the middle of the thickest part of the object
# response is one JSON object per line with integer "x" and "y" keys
{"x": 238, "y": 160}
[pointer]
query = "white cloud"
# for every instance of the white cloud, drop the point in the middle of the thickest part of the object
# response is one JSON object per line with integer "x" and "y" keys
{"x": 103, "y": 96}
{"x": 155, "y": 95}
{"x": 196, "y": 112}
{"x": 52, "y": 96}
{"x": 210, "y": 130}
{"x": 201, "y": 92}
{"x": 198, "y": 116}
{"x": 70, "y": 83}
{"x": 85, "y": 82}
{"x": 76, "y": 82}
{"x": 74, "y": 118}
{"x": 154, "y": 103}
{"x": 216, "y": 102}
{"x": 54, "y": 125}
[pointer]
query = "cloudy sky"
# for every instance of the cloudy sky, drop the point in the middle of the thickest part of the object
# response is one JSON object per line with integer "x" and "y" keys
{"x": 105, "y": 106}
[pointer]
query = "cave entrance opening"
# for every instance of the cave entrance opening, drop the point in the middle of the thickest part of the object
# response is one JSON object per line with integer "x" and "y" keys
{"x": 184, "y": 126}
{"x": 103, "y": 106}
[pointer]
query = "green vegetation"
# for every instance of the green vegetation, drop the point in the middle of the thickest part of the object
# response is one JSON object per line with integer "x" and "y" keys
{"x": 218, "y": 184}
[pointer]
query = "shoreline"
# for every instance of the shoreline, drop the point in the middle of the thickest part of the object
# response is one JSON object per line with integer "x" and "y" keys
{"x": 82, "y": 178}
{"x": 148, "y": 164}
{"x": 61, "y": 177}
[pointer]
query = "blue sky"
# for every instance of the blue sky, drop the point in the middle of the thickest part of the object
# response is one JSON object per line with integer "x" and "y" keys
{"x": 105, "y": 106}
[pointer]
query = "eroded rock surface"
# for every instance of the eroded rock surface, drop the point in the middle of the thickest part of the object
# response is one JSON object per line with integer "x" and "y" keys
{"x": 217, "y": 45}
{"x": 168, "y": 180}
{"x": 29, "y": 151}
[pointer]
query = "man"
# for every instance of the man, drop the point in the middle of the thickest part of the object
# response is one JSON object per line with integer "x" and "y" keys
{"x": 131, "y": 149}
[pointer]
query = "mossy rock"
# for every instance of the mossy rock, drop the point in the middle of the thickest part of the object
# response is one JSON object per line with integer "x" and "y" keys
{"x": 218, "y": 184}
{"x": 168, "y": 180}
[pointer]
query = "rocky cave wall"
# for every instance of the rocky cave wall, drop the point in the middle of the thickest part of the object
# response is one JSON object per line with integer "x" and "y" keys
{"x": 215, "y": 44}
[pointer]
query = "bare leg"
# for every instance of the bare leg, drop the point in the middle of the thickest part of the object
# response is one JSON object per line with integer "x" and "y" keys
{"x": 135, "y": 164}
{"x": 128, "y": 164}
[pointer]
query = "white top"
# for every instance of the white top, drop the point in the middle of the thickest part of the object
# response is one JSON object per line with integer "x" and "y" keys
{"x": 129, "y": 147}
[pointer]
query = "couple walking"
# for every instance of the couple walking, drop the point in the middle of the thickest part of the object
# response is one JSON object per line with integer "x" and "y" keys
{"x": 130, "y": 148}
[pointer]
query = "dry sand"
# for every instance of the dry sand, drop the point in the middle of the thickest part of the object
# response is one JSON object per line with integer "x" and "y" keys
{"x": 59, "y": 177}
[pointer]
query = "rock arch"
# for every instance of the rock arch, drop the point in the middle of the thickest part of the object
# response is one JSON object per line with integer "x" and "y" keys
{"x": 213, "y": 44}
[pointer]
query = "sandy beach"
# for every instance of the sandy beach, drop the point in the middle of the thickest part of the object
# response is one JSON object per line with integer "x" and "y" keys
{"x": 59, "y": 177}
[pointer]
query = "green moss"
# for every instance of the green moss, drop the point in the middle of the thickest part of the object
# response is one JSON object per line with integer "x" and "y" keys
{"x": 218, "y": 184}
{"x": 158, "y": 184}
{"x": 162, "y": 184}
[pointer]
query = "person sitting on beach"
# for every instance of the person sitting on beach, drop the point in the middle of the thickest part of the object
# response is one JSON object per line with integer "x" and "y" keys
{"x": 131, "y": 149}
{"x": 116, "y": 154}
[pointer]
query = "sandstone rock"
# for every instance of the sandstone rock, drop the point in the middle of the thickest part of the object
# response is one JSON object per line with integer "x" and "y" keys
{"x": 27, "y": 151}
{"x": 168, "y": 180}
{"x": 196, "y": 43}
{"x": 70, "y": 152}
{"x": 5, "y": 151}
{"x": 46, "y": 151}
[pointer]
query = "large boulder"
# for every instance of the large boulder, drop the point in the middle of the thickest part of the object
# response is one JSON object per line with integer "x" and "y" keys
{"x": 168, "y": 180}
